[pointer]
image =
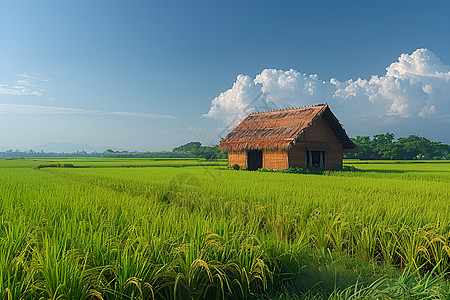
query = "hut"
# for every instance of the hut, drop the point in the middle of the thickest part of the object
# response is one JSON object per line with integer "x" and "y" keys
{"x": 301, "y": 137}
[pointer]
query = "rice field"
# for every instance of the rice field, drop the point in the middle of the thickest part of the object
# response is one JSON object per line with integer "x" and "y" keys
{"x": 191, "y": 229}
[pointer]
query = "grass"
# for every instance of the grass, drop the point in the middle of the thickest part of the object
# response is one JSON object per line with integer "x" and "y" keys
{"x": 153, "y": 228}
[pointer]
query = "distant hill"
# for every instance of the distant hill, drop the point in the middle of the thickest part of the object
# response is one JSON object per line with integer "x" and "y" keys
{"x": 71, "y": 148}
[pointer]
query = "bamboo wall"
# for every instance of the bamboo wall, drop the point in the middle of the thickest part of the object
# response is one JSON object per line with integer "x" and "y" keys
{"x": 237, "y": 157}
{"x": 276, "y": 159}
{"x": 297, "y": 156}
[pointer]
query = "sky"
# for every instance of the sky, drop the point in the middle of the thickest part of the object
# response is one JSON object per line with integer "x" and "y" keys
{"x": 152, "y": 75}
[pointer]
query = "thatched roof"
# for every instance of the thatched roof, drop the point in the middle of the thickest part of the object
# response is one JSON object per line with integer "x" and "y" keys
{"x": 278, "y": 129}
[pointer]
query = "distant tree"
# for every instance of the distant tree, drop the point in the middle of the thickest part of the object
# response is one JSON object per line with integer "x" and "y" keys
{"x": 416, "y": 147}
{"x": 191, "y": 146}
{"x": 208, "y": 153}
{"x": 364, "y": 147}
{"x": 189, "y": 150}
{"x": 383, "y": 146}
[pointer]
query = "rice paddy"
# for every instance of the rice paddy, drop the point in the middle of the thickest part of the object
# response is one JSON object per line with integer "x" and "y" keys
{"x": 191, "y": 229}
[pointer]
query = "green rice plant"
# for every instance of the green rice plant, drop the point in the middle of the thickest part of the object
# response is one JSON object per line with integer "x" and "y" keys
{"x": 143, "y": 229}
{"x": 388, "y": 245}
{"x": 409, "y": 286}
{"x": 134, "y": 273}
{"x": 13, "y": 256}
{"x": 341, "y": 233}
{"x": 57, "y": 272}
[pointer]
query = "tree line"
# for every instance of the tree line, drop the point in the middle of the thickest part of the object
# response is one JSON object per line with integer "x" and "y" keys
{"x": 384, "y": 146}
{"x": 37, "y": 154}
{"x": 189, "y": 150}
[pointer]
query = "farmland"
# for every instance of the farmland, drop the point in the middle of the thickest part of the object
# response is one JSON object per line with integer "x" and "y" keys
{"x": 192, "y": 229}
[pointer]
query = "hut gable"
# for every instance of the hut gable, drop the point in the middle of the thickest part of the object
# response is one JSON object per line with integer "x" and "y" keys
{"x": 279, "y": 129}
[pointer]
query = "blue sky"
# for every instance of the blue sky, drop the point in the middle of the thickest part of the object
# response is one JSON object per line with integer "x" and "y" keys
{"x": 153, "y": 75}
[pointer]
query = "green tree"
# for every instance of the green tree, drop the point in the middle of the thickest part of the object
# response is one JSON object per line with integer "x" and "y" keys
{"x": 365, "y": 148}
{"x": 415, "y": 147}
{"x": 384, "y": 147}
{"x": 192, "y": 148}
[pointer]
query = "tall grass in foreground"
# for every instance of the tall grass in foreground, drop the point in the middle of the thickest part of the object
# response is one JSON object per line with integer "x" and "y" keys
{"x": 378, "y": 219}
{"x": 61, "y": 239}
{"x": 196, "y": 233}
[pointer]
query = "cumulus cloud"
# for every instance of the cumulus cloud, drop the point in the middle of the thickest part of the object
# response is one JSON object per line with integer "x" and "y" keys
{"x": 270, "y": 89}
{"x": 235, "y": 103}
{"x": 41, "y": 109}
{"x": 416, "y": 86}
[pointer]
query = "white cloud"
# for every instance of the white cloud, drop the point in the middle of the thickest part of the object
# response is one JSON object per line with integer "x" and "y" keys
{"x": 412, "y": 85}
{"x": 416, "y": 86}
{"x": 26, "y": 75}
{"x": 234, "y": 104}
{"x": 286, "y": 88}
{"x": 40, "y": 109}
{"x": 421, "y": 63}
{"x": 22, "y": 87}
{"x": 193, "y": 128}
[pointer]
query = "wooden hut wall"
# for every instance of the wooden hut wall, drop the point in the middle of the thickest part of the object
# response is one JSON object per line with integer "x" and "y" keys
{"x": 320, "y": 132}
{"x": 297, "y": 156}
{"x": 275, "y": 159}
{"x": 334, "y": 157}
{"x": 237, "y": 157}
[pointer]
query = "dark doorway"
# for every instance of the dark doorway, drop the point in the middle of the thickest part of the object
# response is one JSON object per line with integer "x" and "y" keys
{"x": 315, "y": 159}
{"x": 254, "y": 160}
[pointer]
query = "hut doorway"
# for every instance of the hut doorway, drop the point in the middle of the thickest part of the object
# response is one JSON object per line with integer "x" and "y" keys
{"x": 315, "y": 159}
{"x": 254, "y": 160}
